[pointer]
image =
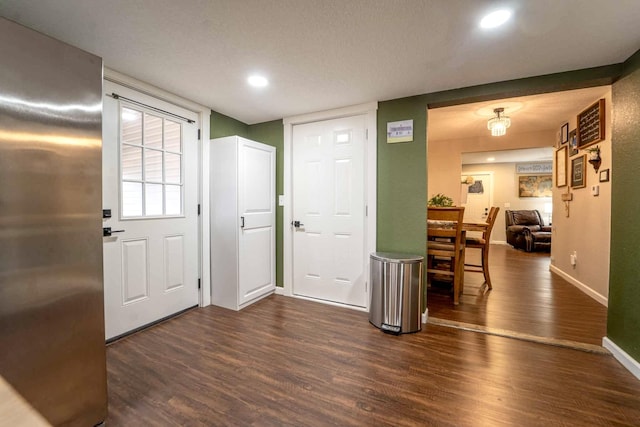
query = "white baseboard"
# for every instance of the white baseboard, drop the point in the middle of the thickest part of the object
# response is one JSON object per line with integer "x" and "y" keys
{"x": 578, "y": 284}
{"x": 498, "y": 242}
{"x": 279, "y": 290}
{"x": 621, "y": 356}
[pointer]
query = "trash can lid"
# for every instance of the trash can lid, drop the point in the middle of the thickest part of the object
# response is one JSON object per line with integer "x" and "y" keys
{"x": 396, "y": 257}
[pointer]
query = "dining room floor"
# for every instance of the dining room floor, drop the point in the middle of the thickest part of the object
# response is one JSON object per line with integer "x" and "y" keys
{"x": 526, "y": 300}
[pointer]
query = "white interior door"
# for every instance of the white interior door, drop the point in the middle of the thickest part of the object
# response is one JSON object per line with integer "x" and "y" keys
{"x": 150, "y": 186}
{"x": 479, "y": 197}
{"x": 328, "y": 179}
{"x": 257, "y": 204}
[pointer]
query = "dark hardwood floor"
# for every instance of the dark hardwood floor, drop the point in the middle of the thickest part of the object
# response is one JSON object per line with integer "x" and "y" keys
{"x": 526, "y": 298}
{"x": 290, "y": 362}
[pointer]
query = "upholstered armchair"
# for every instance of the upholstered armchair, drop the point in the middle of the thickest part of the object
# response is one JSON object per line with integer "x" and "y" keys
{"x": 526, "y": 230}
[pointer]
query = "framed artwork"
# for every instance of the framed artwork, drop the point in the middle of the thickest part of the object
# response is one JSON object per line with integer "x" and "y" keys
{"x": 573, "y": 143}
{"x": 604, "y": 175}
{"x": 535, "y": 186}
{"x": 579, "y": 172}
{"x": 561, "y": 167}
{"x": 564, "y": 133}
{"x": 591, "y": 124}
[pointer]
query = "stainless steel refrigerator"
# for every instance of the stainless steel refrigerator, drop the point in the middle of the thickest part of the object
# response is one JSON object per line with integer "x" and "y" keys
{"x": 52, "y": 348}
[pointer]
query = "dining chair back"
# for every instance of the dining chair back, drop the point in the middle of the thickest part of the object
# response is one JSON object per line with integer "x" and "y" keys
{"x": 445, "y": 246}
{"x": 483, "y": 243}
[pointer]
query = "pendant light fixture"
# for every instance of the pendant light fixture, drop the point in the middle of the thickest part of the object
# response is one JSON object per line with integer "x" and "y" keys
{"x": 498, "y": 125}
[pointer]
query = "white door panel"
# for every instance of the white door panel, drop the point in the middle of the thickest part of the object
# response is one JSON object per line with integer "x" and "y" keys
{"x": 479, "y": 198}
{"x": 329, "y": 202}
{"x": 151, "y": 267}
{"x": 256, "y": 177}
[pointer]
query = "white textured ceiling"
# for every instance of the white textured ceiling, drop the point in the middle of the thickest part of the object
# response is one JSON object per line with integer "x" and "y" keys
{"x": 331, "y": 53}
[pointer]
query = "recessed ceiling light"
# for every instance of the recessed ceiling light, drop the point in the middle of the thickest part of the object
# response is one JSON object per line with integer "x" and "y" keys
{"x": 495, "y": 19}
{"x": 491, "y": 159}
{"x": 258, "y": 81}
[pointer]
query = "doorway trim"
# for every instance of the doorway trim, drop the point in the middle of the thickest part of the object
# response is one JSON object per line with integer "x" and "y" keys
{"x": 371, "y": 145}
{"x": 204, "y": 113}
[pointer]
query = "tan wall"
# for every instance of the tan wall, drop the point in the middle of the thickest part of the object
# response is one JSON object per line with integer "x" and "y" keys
{"x": 587, "y": 230}
{"x": 505, "y": 191}
{"x": 444, "y": 166}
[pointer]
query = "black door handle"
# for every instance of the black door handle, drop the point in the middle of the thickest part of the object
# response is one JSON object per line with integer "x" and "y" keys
{"x": 297, "y": 224}
{"x": 107, "y": 231}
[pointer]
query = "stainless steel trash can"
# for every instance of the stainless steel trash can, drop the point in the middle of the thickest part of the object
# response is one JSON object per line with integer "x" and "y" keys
{"x": 396, "y": 290}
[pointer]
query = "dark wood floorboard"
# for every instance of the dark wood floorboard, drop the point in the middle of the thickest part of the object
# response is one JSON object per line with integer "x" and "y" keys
{"x": 526, "y": 298}
{"x": 290, "y": 362}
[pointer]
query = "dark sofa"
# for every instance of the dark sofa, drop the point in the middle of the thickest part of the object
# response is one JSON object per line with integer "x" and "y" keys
{"x": 526, "y": 230}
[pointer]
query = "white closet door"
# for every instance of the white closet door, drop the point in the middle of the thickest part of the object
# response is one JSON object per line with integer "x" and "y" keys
{"x": 256, "y": 205}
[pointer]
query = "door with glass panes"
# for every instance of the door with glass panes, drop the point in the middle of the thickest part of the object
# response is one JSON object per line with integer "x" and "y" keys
{"x": 150, "y": 187}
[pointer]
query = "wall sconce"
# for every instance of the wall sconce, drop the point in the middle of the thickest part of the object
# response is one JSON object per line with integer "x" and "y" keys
{"x": 594, "y": 157}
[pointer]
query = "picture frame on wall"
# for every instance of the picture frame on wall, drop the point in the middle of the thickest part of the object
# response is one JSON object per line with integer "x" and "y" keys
{"x": 564, "y": 133}
{"x": 604, "y": 175}
{"x": 561, "y": 167}
{"x": 573, "y": 143}
{"x": 535, "y": 186}
{"x": 579, "y": 172}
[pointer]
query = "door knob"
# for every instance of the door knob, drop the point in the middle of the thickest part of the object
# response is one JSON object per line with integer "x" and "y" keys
{"x": 107, "y": 231}
{"x": 297, "y": 224}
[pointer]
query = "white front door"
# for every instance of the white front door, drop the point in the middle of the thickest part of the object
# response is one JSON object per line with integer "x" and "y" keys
{"x": 328, "y": 177}
{"x": 479, "y": 197}
{"x": 150, "y": 187}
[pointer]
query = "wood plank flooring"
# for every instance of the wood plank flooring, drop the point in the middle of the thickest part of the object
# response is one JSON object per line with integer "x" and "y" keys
{"x": 290, "y": 362}
{"x": 526, "y": 298}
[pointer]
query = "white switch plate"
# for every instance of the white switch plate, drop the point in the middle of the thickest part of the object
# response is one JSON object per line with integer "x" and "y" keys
{"x": 595, "y": 190}
{"x": 281, "y": 200}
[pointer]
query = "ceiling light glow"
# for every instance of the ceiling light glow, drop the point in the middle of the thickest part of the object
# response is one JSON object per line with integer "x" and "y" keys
{"x": 495, "y": 19}
{"x": 257, "y": 81}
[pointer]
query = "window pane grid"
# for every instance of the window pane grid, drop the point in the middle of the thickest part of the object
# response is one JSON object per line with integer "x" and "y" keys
{"x": 150, "y": 164}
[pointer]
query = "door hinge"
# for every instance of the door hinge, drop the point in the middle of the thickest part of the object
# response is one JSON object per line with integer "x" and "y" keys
{"x": 198, "y": 209}
{"x": 366, "y": 134}
{"x": 366, "y": 286}
{"x": 366, "y": 210}
{"x": 198, "y": 134}
{"x": 199, "y": 284}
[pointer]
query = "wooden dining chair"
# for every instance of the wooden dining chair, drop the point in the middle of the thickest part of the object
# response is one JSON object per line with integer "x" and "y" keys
{"x": 483, "y": 243}
{"x": 445, "y": 246}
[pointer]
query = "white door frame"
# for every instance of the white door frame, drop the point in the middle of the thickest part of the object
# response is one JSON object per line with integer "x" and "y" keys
{"x": 204, "y": 115}
{"x": 371, "y": 141}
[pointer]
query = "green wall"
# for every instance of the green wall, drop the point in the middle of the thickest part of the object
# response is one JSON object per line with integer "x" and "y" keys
{"x": 623, "y": 319}
{"x": 272, "y": 133}
{"x": 222, "y": 126}
{"x": 402, "y": 179}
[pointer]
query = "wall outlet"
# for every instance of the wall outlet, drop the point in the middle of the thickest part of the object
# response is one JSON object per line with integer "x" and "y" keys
{"x": 574, "y": 258}
{"x": 507, "y": 205}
